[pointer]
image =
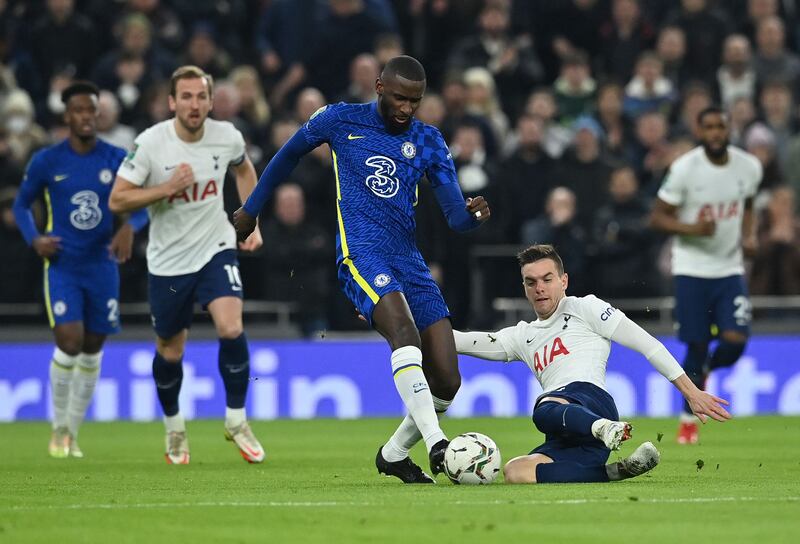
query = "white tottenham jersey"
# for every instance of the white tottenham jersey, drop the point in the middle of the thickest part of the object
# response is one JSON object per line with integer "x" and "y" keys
{"x": 702, "y": 190}
{"x": 187, "y": 229}
{"x": 572, "y": 345}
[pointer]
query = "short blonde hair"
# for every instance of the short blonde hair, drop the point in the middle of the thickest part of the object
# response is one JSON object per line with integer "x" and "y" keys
{"x": 190, "y": 71}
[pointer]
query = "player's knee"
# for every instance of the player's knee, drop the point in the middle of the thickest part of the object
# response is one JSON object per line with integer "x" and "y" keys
{"x": 403, "y": 334}
{"x": 445, "y": 387}
{"x": 727, "y": 351}
{"x": 518, "y": 472}
{"x": 92, "y": 344}
{"x": 70, "y": 346}
{"x": 230, "y": 330}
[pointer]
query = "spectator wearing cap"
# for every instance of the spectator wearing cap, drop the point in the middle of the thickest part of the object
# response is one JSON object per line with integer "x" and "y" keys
{"x": 585, "y": 170}
{"x": 574, "y": 89}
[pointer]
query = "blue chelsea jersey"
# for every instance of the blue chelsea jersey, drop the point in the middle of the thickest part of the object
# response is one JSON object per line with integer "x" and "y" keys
{"x": 377, "y": 174}
{"x": 76, "y": 190}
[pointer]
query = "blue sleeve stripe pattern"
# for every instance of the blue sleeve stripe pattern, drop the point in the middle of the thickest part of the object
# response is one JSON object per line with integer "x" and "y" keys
{"x": 351, "y": 266}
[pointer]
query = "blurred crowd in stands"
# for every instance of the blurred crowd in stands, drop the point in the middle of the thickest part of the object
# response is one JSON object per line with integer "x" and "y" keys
{"x": 564, "y": 114}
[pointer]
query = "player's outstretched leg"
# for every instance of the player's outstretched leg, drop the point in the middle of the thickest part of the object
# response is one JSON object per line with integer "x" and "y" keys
{"x": 643, "y": 459}
{"x": 234, "y": 367}
{"x": 440, "y": 366}
{"x": 554, "y": 417}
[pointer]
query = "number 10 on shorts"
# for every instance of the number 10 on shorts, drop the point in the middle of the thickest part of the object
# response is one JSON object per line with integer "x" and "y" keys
{"x": 234, "y": 277}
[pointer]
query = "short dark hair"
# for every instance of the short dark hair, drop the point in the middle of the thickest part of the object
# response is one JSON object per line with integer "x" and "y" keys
{"x": 405, "y": 67}
{"x": 710, "y": 110}
{"x": 537, "y": 253}
{"x": 79, "y": 87}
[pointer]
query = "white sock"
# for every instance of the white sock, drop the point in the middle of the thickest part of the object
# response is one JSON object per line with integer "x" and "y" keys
{"x": 83, "y": 383}
{"x": 61, "y": 367}
{"x": 234, "y": 417}
{"x": 175, "y": 424}
{"x": 407, "y": 435}
{"x": 687, "y": 418}
{"x": 413, "y": 389}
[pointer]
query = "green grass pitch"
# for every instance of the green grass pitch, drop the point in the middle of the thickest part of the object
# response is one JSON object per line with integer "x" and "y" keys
{"x": 319, "y": 484}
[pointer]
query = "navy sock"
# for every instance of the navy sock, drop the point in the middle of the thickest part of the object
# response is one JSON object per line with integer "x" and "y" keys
{"x": 168, "y": 376}
{"x": 725, "y": 354}
{"x": 553, "y": 418}
{"x": 234, "y": 367}
{"x": 569, "y": 472}
{"x": 694, "y": 364}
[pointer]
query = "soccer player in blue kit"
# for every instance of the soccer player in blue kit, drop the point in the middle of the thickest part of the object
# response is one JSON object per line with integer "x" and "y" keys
{"x": 81, "y": 279}
{"x": 380, "y": 152}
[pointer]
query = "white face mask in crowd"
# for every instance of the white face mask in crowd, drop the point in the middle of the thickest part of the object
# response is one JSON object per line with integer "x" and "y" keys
{"x": 17, "y": 123}
{"x": 54, "y": 103}
{"x": 128, "y": 94}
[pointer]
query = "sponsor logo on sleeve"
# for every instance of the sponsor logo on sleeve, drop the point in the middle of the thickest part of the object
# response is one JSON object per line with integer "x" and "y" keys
{"x": 608, "y": 312}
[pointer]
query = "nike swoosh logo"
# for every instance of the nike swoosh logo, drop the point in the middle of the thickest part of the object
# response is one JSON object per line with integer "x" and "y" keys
{"x": 352, "y": 137}
{"x": 531, "y": 340}
{"x": 62, "y": 177}
{"x": 170, "y": 167}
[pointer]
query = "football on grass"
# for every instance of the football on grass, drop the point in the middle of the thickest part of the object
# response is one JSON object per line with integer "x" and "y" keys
{"x": 472, "y": 458}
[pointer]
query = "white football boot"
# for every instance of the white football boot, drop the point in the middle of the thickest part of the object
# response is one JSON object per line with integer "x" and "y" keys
{"x": 177, "y": 448}
{"x": 643, "y": 459}
{"x": 249, "y": 446}
{"x": 74, "y": 449}
{"x": 611, "y": 433}
{"x": 59, "y": 443}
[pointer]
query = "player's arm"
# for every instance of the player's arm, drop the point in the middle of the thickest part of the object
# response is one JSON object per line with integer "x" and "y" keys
{"x": 32, "y": 186}
{"x": 461, "y": 215}
{"x": 121, "y": 246}
{"x": 664, "y": 218}
{"x": 484, "y": 345}
{"x": 127, "y": 196}
{"x": 245, "y": 183}
{"x": 749, "y": 237}
{"x": 278, "y": 169}
{"x": 703, "y": 404}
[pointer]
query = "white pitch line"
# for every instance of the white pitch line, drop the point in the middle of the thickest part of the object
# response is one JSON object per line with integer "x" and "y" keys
{"x": 334, "y": 504}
